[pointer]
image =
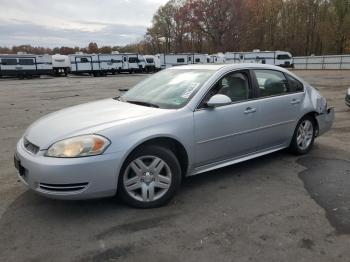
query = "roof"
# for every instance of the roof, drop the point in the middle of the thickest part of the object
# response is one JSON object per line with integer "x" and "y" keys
{"x": 217, "y": 67}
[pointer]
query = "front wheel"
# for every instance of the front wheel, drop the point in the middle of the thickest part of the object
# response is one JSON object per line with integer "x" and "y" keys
{"x": 150, "y": 177}
{"x": 304, "y": 136}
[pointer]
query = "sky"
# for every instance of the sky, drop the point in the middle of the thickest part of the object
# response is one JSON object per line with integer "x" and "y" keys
{"x": 75, "y": 22}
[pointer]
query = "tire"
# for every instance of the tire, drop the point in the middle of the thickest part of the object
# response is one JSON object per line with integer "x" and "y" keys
{"x": 147, "y": 189}
{"x": 304, "y": 136}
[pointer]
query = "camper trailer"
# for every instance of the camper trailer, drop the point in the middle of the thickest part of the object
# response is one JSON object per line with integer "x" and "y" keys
{"x": 152, "y": 63}
{"x": 169, "y": 60}
{"x": 102, "y": 64}
{"x": 61, "y": 64}
{"x": 218, "y": 58}
{"x": 85, "y": 64}
{"x": 25, "y": 65}
{"x": 123, "y": 62}
{"x": 278, "y": 58}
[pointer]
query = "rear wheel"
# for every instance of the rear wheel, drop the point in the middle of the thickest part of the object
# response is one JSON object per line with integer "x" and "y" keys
{"x": 304, "y": 136}
{"x": 150, "y": 177}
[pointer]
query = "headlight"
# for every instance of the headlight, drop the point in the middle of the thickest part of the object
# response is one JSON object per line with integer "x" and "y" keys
{"x": 79, "y": 146}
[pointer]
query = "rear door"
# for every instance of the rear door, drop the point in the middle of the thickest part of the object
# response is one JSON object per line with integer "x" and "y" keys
{"x": 279, "y": 107}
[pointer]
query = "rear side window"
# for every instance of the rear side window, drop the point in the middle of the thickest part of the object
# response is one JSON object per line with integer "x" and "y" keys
{"x": 294, "y": 85}
{"x": 271, "y": 83}
{"x": 181, "y": 60}
{"x": 8, "y": 61}
{"x": 197, "y": 60}
{"x": 27, "y": 61}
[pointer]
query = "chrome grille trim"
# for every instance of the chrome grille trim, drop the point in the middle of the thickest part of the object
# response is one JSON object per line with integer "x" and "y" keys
{"x": 63, "y": 187}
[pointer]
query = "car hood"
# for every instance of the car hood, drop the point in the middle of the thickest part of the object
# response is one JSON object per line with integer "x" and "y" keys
{"x": 84, "y": 119}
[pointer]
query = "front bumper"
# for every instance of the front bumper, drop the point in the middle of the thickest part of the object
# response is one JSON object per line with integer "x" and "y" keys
{"x": 68, "y": 178}
{"x": 325, "y": 121}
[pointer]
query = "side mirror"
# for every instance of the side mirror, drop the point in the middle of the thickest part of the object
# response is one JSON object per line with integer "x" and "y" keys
{"x": 219, "y": 100}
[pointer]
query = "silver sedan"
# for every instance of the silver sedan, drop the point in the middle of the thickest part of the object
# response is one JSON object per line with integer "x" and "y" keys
{"x": 179, "y": 122}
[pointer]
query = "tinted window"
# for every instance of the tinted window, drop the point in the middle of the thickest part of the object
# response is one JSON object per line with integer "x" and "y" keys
{"x": 234, "y": 85}
{"x": 8, "y": 61}
{"x": 181, "y": 60}
{"x": 84, "y": 60}
{"x": 189, "y": 58}
{"x": 294, "y": 85}
{"x": 283, "y": 57}
{"x": 116, "y": 61}
{"x": 150, "y": 60}
{"x": 27, "y": 61}
{"x": 133, "y": 60}
{"x": 197, "y": 60}
{"x": 124, "y": 58}
{"x": 271, "y": 83}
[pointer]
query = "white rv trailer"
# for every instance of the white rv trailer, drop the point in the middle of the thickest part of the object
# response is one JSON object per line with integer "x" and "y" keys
{"x": 169, "y": 60}
{"x": 61, "y": 64}
{"x": 152, "y": 63}
{"x": 102, "y": 64}
{"x": 85, "y": 64}
{"x": 25, "y": 65}
{"x": 133, "y": 62}
{"x": 218, "y": 58}
{"x": 278, "y": 58}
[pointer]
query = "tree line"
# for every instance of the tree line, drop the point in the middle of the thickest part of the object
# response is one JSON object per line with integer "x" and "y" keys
{"x": 302, "y": 27}
{"x": 92, "y": 48}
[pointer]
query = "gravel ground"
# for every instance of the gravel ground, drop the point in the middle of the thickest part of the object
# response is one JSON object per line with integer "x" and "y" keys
{"x": 275, "y": 208}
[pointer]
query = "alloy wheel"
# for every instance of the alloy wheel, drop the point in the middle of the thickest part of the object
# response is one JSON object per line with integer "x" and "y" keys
{"x": 147, "y": 178}
{"x": 305, "y": 134}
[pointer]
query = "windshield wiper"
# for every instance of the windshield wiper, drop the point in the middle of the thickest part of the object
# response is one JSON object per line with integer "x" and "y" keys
{"x": 142, "y": 103}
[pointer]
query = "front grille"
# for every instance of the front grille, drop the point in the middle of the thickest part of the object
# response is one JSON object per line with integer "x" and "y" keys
{"x": 63, "y": 187}
{"x": 30, "y": 146}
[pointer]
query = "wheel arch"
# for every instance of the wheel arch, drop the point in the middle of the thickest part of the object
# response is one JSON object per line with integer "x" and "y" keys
{"x": 314, "y": 115}
{"x": 168, "y": 142}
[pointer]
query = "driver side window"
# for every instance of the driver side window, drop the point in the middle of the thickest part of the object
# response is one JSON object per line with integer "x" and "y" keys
{"x": 235, "y": 85}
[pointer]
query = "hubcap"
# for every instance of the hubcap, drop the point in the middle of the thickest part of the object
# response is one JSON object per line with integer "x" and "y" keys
{"x": 305, "y": 134}
{"x": 147, "y": 178}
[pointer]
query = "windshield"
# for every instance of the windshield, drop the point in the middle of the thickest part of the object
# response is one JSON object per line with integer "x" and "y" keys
{"x": 169, "y": 89}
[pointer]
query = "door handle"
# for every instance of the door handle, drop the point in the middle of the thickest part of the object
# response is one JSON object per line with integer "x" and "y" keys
{"x": 295, "y": 101}
{"x": 249, "y": 110}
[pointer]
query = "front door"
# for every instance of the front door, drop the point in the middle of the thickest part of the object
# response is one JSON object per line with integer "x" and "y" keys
{"x": 226, "y": 132}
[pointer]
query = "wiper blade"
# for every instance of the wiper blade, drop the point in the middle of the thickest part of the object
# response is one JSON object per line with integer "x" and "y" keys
{"x": 142, "y": 103}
